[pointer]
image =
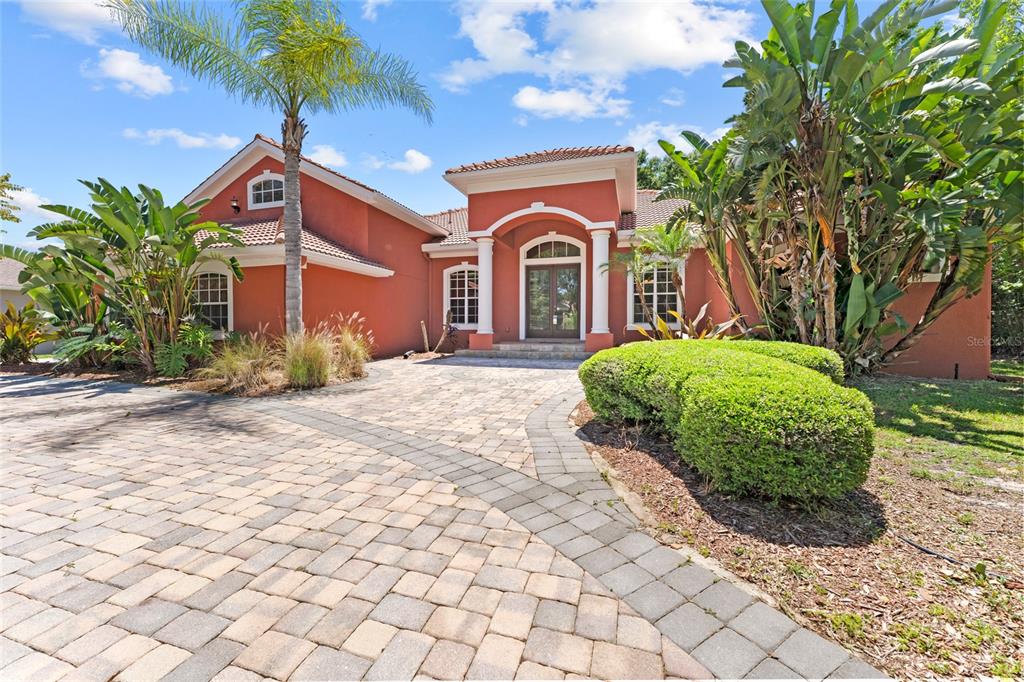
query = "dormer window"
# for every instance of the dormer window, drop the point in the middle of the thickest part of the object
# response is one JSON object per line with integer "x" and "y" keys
{"x": 266, "y": 191}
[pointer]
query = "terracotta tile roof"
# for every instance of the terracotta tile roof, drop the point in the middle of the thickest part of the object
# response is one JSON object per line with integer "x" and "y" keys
{"x": 648, "y": 211}
{"x": 268, "y": 232}
{"x": 548, "y": 155}
{"x": 9, "y": 269}
{"x": 456, "y": 221}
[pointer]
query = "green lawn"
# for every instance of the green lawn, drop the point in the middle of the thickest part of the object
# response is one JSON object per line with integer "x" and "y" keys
{"x": 951, "y": 429}
{"x": 1008, "y": 368}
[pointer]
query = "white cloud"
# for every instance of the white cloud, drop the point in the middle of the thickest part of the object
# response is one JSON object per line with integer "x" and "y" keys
{"x": 327, "y": 155}
{"x": 183, "y": 139}
{"x": 413, "y": 161}
{"x": 646, "y": 135}
{"x": 370, "y": 8}
{"x": 83, "y": 20}
{"x": 571, "y": 103}
{"x": 29, "y": 202}
{"x": 130, "y": 73}
{"x": 592, "y": 47}
{"x": 674, "y": 97}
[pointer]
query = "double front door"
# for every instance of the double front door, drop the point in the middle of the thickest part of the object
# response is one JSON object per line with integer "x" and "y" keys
{"x": 553, "y": 301}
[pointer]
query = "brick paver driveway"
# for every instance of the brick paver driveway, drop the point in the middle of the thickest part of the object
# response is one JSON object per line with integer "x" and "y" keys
{"x": 437, "y": 520}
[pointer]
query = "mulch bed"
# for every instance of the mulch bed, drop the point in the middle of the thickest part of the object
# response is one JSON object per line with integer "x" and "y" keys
{"x": 846, "y": 570}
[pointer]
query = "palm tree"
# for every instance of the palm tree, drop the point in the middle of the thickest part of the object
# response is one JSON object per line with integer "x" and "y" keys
{"x": 297, "y": 56}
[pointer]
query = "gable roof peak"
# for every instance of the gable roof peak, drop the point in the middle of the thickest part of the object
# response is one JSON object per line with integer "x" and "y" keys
{"x": 545, "y": 156}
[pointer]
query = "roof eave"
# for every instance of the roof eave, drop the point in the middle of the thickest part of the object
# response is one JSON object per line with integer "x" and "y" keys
{"x": 273, "y": 254}
{"x": 224, "y": 175}
{"x": 623, "y": 164}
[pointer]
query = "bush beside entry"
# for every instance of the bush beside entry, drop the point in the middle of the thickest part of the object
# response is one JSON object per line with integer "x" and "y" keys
{"x": 752, "y": 423}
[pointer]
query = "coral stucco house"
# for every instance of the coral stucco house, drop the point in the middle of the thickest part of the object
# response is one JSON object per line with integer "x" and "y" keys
{"x": 523, "y": 261}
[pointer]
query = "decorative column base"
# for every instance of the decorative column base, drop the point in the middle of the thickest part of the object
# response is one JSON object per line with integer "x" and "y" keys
{"x": 479, "y": 341}
{"x": 599, "y": 341}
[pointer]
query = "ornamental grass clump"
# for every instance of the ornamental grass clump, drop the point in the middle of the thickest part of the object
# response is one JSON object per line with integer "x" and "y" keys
{"x": 753, "y": 424}
{"x": 244, "y": 363}
{"x": 353, "y": 346}
{"x": 307, "y": 358}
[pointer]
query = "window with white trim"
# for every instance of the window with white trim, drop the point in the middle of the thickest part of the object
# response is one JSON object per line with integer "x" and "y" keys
{"x": 211, "y": 299}
{"x": 266, "y": 191}
{"x": 462, "y": 295}
{"x": 658, "y": 291}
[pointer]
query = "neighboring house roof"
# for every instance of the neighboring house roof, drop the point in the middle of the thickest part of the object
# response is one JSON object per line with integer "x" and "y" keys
{"x": 361, "y": 191}
{"x": 271, "y": 233}
{"x": 9, "y": 270}
{"x": 546, "y": 156}
{"x": 648, "y": 213}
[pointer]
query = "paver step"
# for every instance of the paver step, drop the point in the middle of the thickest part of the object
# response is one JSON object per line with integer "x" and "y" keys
{"x": 553, "y": 346}
{"x": 519, "y": 354}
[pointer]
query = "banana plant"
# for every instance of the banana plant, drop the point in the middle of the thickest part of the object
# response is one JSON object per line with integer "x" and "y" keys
{"x": 869, "y": 151}
{"x": 136, "y": 254}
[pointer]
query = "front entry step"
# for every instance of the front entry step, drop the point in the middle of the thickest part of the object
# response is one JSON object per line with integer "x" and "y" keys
{"x": 531, "y": 350}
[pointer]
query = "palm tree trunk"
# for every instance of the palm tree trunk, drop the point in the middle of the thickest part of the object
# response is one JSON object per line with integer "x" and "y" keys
{"x": 828, "y": 286}
{"x": 293, "y": 130}
{"x": 677, "y": 282}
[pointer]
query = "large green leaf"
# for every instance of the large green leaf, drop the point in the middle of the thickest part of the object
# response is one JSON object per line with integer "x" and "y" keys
{"x": 856, "y": 304}
{"x": 950, "y": 48}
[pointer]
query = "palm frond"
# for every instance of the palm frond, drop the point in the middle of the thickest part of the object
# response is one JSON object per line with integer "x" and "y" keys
{"x": 201, "y": 41}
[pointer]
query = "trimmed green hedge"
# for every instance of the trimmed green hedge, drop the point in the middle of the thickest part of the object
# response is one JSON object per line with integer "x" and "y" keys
{"x": 752, "y": 423}
{"x": 817, "y": 358}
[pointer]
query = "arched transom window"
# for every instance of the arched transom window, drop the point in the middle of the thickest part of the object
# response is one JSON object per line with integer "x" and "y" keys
{"x": 461, "y": 295}
{"x": 266, "y": 191}
{"x": 554, "y": 248}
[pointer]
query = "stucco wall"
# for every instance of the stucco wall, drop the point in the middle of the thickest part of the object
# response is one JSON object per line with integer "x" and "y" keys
{"x": 393, "y": 306}
{"x": 595, "y": 200}
{"x": 958, "y": 344}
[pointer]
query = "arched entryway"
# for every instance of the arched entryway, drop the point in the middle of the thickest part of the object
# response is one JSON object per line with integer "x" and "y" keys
{"x": 552, "y": 288}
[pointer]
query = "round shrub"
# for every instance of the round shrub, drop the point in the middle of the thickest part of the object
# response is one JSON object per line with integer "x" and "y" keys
{"x": 614, "y": 381}
{"x": 789, "y": 434}
{"x": 754, "y": 424}
{"x": 817, "y": 358}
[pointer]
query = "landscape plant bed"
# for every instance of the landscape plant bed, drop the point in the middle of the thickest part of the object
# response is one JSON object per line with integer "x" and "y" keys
{"x": 848, "y": 569}
{"x": 276, "y": 386}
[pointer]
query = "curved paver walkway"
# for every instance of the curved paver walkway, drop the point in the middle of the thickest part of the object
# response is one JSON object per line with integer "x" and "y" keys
{"x": 438, "y": 519}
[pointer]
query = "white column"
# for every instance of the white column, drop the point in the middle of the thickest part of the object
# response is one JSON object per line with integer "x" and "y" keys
{"x": 485, "y": 261}
{"x": 599, "y": 316}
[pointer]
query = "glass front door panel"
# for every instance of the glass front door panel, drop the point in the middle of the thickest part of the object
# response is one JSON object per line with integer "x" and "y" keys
{"x": 566, "y": 317}
{"x": 553, "y": 301}
{"x": 538, "y": 291}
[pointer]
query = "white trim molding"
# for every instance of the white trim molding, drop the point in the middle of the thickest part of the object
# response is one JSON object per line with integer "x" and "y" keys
{"x": 580, "y": 259}
{"x": 448, "y": 250}
{"x": 446, "y": 274}
{"x": 631, "y": 289}
{"x": 265, "y": 175}
{"x": 216, "y": 267}
{"x": 273, "y": 254}
{"x": 537, "y": 208}
{"x": 619, "y": 167}
{"x": 258, "y": 148}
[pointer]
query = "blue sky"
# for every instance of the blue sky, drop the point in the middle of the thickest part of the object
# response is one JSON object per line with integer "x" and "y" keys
{"x": 80, "y": 101}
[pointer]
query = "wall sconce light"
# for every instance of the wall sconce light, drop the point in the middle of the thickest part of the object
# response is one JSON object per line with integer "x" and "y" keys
{"x": 234, "y": 205}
